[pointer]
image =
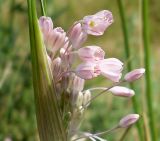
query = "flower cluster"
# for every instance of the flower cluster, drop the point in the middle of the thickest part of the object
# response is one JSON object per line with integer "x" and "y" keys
{"x": 65, "y": 50}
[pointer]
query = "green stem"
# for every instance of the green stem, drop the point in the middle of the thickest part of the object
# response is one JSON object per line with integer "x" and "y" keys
{"x": 43, "y": 7}
{"x": 129, "y": 65}
{"x": 125, "y": 133}
{"x": 49, "y": 119}
{"x": 149, "y": 94}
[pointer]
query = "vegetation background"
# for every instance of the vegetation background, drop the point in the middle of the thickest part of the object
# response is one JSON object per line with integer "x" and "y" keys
{"x": 17, "y": 111}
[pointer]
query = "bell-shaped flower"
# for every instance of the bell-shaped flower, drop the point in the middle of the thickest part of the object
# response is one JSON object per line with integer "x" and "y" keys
{"x": 87, "y": 70}
{"x": 111, "y": 68}
{"x": 122, "y": 91}
{"x": 96, "y": 24}
{"x": 91, "y": 53}
{"x": 134, "y": 75}
{"x": 77, "y": 36}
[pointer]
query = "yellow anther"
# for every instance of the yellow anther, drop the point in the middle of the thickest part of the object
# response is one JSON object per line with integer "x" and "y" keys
{"x": 92, "y": 24}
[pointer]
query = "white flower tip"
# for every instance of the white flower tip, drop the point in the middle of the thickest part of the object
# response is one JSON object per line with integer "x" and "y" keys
{"x": 128, "y": 120}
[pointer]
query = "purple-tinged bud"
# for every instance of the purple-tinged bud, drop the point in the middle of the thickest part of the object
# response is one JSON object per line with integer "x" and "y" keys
{"x": 96, "y": 24}
{"x": 56, "y": 39}
{"x": 78, "y": 83}
{"x": 134, "y": 75}
{"x": 77, "y": 36}
{"x": 111, "y": 68}
{"x": 46, "y": 26}
{"x": 87, "y": 70}
{"x": 67, "y": 56}
{"x": 128, "y": 120}
{"x": 57, "y": 67}
{"x": 122, "y": 91}
{"x": 86, "y": 98}
{"x": 91, "y": 53}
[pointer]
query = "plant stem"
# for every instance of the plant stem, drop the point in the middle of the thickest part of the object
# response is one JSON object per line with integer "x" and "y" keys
{"x": 129, "y": 65}
{"x": 146, "y": 46}
{"x": 43, "y": 7}
{"x": 49, "y": 119}
{"x": 125, "y": 134}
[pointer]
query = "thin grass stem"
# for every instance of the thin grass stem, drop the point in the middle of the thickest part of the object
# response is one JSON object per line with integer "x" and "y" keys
{"x": 147, "y": 56}
{"x": 43, "y": 7}
{"x": 129, "y": 64}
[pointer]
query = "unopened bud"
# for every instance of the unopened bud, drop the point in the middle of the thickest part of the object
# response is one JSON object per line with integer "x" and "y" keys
{"x": 56, "y": 67}
{"x": 79, "y": 99}
{"x": 77, "y": 36}
{"x": 122, "y": 91}
{"x": 91, "y": 53}
{"x": 128, "y": 120}
{"x": 134, "y": 75}
{"x": 87, "y": 70}
{"x": 86, "y": 98}
{"x": 46, "y": 26}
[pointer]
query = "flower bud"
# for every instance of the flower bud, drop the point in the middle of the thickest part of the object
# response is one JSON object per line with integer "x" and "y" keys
{"x": 77, "y": 36}
{"x": 78, "y": 83}
{"x": 56, "y": 40}
{"x": 86, "y": 98}
{"x": 46, "y": 26}
{"x": 96, "y": 24}
{"x": 134, "y": 75}
{"x": 111, "y": 68}
{"x": 56, "y": 67}
{"x": 122, "y": 91}
{"x": 91, "y": 53}
{"x": 87, "y": 70}
{"x": 128, "y": 120}
{"x": 79, "y": 99}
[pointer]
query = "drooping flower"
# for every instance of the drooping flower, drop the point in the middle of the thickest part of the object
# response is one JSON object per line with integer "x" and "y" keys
{"x": 91, "y": 53}
{"x": 96, "y": 24}
{"x": 122, "y": 91}
{"x": 88, "y": 70}
{"x": 111, "y": 68}
{"x": 128, "y": 120}
{"x": 134, "y": 75}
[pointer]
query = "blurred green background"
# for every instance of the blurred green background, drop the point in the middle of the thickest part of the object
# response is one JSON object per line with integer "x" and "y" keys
{"x": 17, "y": 111}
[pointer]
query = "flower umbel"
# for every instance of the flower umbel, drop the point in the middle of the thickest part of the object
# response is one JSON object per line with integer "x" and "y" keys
{"x": 72, "y": 64}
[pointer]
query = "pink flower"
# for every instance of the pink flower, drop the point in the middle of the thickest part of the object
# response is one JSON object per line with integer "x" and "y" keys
{"x": 56, "y": 40}
{"x": 128, "y": 120}
{"x": 57, "y": 67}
{"x": 91, "y": 53}
{"x": 96, "y": 24}
{"x": 77, "y": 36}
{"x": 111, "y": 68}
{"x": 87, "y": 70}
{"x": 134, "y": 75}
{"x": 46, "y": 26}
{"x": 122, "y": 91}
